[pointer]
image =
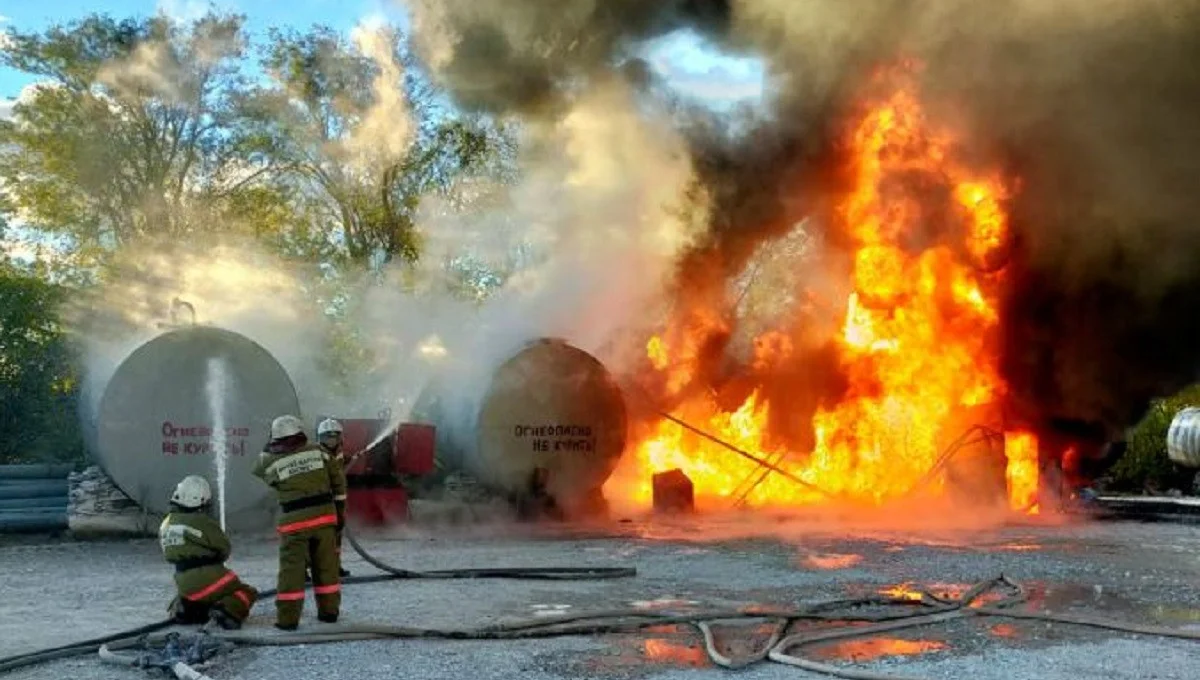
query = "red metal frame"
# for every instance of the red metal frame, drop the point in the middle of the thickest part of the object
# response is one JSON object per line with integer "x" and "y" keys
{"x": 411, "y": 452}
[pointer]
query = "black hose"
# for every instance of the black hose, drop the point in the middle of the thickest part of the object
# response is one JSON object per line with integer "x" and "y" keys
{"x": 391, "y": 574}
{"x": 523, "y": 573}
{"x": 78, "y": 648}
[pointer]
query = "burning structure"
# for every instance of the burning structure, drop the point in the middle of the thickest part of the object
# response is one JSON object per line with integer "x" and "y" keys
{"x": 918, "y": 240}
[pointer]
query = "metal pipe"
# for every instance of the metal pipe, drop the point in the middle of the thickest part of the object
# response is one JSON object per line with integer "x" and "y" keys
{"x": 32, "y": 522}
{"x": 45, "y": 502}
{"x": 33, "y": 488}
{"x": 748, "y": 456}
{"x": 36, "y": 471}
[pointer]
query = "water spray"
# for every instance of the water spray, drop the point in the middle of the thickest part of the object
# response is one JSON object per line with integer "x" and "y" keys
{"x": 215, "y": 387}
{"x": 390, "y": 429}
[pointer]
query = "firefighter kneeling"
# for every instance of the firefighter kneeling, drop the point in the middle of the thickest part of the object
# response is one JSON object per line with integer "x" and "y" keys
{"x": 196, "y": 545}
{"x": 306, "y": 481}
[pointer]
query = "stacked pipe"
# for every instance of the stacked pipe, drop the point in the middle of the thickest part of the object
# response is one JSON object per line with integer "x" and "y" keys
{"x": 33, "y": 498}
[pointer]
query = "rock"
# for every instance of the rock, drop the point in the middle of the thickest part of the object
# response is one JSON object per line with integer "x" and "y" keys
{"x": 95, "y": 506}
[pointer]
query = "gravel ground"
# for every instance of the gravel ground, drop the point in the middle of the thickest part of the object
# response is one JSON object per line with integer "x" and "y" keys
{"x": 55, "y": 592}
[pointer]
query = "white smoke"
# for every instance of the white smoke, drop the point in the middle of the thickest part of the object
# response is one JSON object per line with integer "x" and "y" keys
{"x": 599, "y": 212}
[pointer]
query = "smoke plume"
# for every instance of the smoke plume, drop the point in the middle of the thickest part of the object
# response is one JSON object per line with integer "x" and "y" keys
{"x": 233, "y": 285}
{"x": 523, "y": 56}
{"x": 599, "y": 218}
{"x": 1090, "y": 104}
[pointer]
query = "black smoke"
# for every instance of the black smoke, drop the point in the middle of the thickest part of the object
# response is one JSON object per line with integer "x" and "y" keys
{"x": 524, "y": 56}
{"x": 1091, "y": 105}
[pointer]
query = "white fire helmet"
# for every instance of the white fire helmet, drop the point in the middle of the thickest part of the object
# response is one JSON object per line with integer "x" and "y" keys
{"x": 285, "y": 426}
{"x": 329, "y": 426}
{"x": 192, "y": 492}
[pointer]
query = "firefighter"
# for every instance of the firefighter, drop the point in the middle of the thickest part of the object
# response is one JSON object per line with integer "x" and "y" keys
{"x": 196, "y": 545}
{"x": 329, "y": 437}
{"x": 306, "y": 481}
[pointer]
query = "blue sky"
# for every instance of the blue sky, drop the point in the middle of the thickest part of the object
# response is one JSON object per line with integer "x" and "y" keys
{"x": 684, "y": 58}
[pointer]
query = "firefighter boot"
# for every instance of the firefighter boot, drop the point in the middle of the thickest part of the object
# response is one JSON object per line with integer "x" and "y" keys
{"x": 219, "y": 616}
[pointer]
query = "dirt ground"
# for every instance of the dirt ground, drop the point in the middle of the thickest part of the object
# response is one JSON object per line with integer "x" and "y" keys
{"x": 57, "y": 591}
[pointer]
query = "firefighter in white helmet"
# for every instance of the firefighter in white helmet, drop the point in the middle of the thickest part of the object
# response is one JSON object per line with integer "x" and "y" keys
{"x": 195, "y": 544}
{"x": 329, "y": 437}
{"x": 306, "y": 480}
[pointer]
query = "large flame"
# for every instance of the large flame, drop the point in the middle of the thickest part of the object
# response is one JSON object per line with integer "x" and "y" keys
{"x": 918, "y": 342}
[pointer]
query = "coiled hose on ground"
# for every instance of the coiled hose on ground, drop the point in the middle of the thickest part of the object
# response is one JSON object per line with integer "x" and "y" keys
{"x": 995, "y": 597}
{"x": 392, "y": 573}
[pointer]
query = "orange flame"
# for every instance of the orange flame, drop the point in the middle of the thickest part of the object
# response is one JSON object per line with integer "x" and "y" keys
{"x": 1022, "y": 473}
{"x": 918, "y": 343}
{"x": 877, "y": 648}
{"x": 671, "y": 652}
{"x": 831, "y": 561}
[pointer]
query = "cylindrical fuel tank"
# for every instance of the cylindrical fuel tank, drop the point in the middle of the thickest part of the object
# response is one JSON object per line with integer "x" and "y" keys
{"x": 163, "y": 410}
{"x": 551, "y": 405}
{"x": 1183, "y": 438}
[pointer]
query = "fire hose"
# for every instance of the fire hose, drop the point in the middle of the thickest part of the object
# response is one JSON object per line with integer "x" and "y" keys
{"x": 94, "y": 645}
{"x": 931, "y": 609}
{"x": 979, "y": 601}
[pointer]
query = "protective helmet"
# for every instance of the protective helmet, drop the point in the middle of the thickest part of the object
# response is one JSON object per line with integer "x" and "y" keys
{"x": 329, "y": 426}
{"x": 286, "y": 426}
{"x": 192, "y": 492}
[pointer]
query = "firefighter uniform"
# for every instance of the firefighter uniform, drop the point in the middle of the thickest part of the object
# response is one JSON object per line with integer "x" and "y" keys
{"x": 329, "y": 437}
{"x": 306, "y": 483}
{"x": 197, "y": 547}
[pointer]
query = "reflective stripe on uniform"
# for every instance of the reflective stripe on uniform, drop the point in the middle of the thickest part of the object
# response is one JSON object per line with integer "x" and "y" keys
{"x": 296, "y": 464}
{"x": 323, "y": 520}
{"x": 220, "y": 583}
{"x": 242, "y": 596}
{"x": 290, "y": 596}
{"x": 327, "y": 590}
{"x": 340, "y": 497}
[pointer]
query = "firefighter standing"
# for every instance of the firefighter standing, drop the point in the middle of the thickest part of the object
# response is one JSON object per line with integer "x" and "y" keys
{"x": 306, "y": 482}
{"x": 329, "y": 437}
{"x": 195, "y": 544}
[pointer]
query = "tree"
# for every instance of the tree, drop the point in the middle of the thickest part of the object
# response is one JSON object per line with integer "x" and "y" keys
{"x": 126, "y": 138}
{"x": 1145, "y": 465}
{"x": 352, "y": 126}
{"x": 38, "y": 385}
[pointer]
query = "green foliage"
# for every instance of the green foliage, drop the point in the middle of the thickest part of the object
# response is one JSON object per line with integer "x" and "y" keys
{"x": 1145, "y": 465}
{"x": 331, "y": 129}
{"x": 128, "y": 135}
{"x": 149, "y": 130}
{"x": 147, "y": 133}
{"x": 39, "y": 384}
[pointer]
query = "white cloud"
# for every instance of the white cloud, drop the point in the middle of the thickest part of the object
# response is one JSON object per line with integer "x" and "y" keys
{"x": 187, "y": 11}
